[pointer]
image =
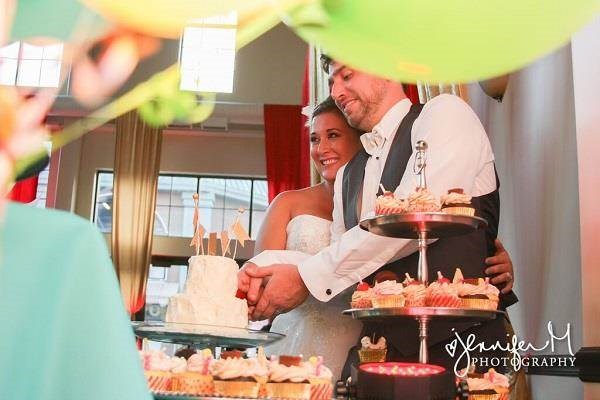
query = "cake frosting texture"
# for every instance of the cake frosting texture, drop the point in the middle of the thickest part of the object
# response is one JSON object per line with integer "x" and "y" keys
{"x": 209, "y": 295}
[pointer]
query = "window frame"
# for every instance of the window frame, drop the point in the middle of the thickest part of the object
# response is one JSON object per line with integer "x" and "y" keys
{"x": 198, "y": 177}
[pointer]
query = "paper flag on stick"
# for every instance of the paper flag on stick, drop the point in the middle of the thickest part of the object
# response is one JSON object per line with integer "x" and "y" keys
{"x": 239, "y": 232}
{"x": 212, "y": 244}
{"x": 197, "y": 239}
{"x": 224, "y": 243}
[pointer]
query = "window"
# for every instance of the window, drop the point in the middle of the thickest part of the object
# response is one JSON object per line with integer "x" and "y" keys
{"x": 25, "y": 64}
{"x": 219, "y": 201}
{"x": 42, "y": 188}
{"x": 163, "y": 282}
{"x": 207, "y": 55}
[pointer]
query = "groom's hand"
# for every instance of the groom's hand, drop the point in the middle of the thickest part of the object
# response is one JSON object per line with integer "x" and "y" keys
{"x": 284, "y": 290}
{"x": 251, "y": 282}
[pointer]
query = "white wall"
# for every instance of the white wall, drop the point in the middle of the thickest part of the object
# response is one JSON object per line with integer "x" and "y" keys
{"x": 533, "y": 137}
{"x": 586, "y": 74}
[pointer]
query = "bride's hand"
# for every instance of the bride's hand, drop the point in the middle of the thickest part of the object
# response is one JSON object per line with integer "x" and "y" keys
{"x": 250, "y": 284}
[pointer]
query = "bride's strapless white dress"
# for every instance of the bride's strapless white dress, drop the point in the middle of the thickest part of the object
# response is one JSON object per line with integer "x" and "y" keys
{"x": 316, "y": 328}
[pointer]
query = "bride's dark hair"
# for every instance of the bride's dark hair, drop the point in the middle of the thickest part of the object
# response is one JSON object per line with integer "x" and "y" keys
{"x": 328, "y": 105}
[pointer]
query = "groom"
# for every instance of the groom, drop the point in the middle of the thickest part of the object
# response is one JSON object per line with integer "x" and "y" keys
{"x": 459, "y": 155}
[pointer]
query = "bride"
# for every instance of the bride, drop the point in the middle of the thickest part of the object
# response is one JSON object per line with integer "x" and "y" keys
{"x": 300, "y": 220}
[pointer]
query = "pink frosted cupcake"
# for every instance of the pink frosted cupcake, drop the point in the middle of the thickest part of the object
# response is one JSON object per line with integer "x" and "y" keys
{"x": 415, "y": 292}
{"x": 362, "y": 296}
{"x": 422, "y": 200}
{"x": 387, "y": 204}
{"x": 320, "y": 378}
{"x": 157, "y": 369}
{"x": 442, "y": 293}
{"x": 196, "y": 379}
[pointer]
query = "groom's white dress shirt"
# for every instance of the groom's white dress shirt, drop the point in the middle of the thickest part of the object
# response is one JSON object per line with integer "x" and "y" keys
{"x": 459, "y": 155}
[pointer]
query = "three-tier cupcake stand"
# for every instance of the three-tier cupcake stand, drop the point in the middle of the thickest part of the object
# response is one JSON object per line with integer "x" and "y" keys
{"x": 423, "y": 226}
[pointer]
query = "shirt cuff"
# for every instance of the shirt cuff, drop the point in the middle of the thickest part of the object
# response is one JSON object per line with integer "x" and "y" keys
{"x": 270, "y": 257}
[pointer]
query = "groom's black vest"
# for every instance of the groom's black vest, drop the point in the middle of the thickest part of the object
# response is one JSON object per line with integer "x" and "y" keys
{"x": 467, "y": 252}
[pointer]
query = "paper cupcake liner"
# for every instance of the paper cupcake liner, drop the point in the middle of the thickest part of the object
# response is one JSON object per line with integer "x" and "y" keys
{"x": 389, "y": 210}
{"x": 321, "y": 391}
{"x": 388, "y": 301}
{"x": 361, "y": 303}
{"x": 483, "y": 304}
{"x": 443, "y": 300}
{"x": 495, "y": 396}
{"x": 288, "y": 390}
{"x": 423, "y": 208}
{"x": 412, "y": 301}
{"x": 459, "y": 210}
{"x": 192, "y": 383}
{"x": 247, "y": 389}
{"x": 371, "y": 355}
{"x": 158, "y": 381}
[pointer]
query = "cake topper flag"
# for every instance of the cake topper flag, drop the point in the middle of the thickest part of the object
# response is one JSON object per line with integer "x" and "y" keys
{"x": 239, "y": 232}
{"x": 199, "y": 230}
{"x": 197, "y": 239}
{"x": 224, "y": 243}
{"x": 212, "y": 244}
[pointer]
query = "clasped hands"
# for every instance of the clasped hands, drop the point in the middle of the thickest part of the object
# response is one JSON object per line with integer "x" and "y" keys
{"x": 271, "y": 290}
{"x": 279, "y": 288}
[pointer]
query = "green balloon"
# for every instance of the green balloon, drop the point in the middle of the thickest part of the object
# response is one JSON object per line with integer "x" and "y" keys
{"x": 440, "y": 41}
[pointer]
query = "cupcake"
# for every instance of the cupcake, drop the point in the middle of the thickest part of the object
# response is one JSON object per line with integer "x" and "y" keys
{"x": 414, "y": 292}
{"x": 157, "y": 369}
{"x": 387, "y": 204}
{"x": 372, "y": 352}
{"x": 489, "y": 386}
{"x": 289, "y": 378}
{"x": 478, "y": 293}
{"x": 362, "y": 296}
{"x": 238, "y": 377}
{"x": 422, "y": 200}
{"x": 442, "y": 293}
{"x": 457, "y": 202}
{"x": 196, "y": 378}
{"x": 388, "y": 294}
{"x": 320, "y": 378}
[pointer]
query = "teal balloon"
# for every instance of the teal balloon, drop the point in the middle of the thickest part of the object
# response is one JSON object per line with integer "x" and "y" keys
{"x": 440, "y": 41}
{"x": 52, "y": 18}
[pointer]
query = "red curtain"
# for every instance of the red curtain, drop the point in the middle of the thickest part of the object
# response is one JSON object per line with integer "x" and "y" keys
{"x": 412, "y": 93}
{"x": 287, "y": 150}
{"x": 24, "y": 191}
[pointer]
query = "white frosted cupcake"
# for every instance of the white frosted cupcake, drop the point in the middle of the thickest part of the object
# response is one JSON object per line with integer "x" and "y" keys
{"x": 387, "y": 204}
{"x": 422, "y": 200}
{"x": 415, "y": 292}
{"x": 238, "y": 377}
{"x": 289, "y": 378}
{"x": 457, "y": 202}
{"x": 388, "y": 294}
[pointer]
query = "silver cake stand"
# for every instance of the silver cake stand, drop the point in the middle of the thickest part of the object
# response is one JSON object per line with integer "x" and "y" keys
{"x": 423, "y": 226}
{"x": 201, "y": 336}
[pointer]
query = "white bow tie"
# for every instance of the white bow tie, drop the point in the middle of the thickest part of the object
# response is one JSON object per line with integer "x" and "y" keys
{"x": 372, "y": 141}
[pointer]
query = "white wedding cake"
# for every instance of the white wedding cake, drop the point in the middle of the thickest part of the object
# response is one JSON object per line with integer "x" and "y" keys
{"x": 209, "y": 295}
